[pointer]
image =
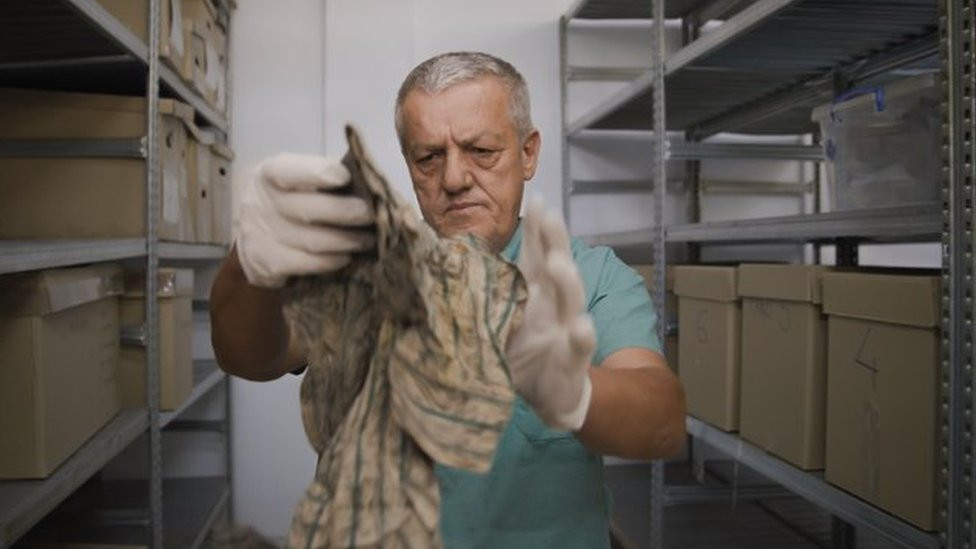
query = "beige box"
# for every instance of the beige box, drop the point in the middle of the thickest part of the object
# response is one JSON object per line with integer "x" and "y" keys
{"x": 134, "y": 14}
{"x": 58, "y": 197}
{"x": 671, "y": 305}
{"x": 784, "y": 365}
{"x": 200, "y": 177}
{"x": 59, "y": 350}
{"x": 206, "y": 61}
{"x": 882, "y": 390}
{"x": 221, "y": 159}
{"x": 708, "y": 340}
{"x": 175, "y": 294}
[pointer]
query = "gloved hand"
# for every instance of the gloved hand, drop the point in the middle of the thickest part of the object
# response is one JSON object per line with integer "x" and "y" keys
{"x": 292, "y": 223}
{"x": 549, "y": 355}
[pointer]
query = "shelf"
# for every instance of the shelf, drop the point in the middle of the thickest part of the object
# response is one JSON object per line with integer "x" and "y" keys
{"x": 114, "y": 512}
{"x": 813, "y": 488}
{"x": 178, "y": 250}
{"x": 206, "y": 376}
{"x": 28, "y": 255}
{"x": 773, "y": 89}
{"x": 23, "y": 503}
{"x": 901, "y": 223}
{"x": 72, "y": 37}
{"x": 682, "y": 150}
{"x": 190, "y": 508}
{"x": 631, "y": 9}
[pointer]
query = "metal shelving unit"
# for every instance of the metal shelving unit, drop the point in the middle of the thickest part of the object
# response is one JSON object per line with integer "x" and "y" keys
{"x": 206, "y": 376}
{"x": 24, "y": 503}
{"x": 77, "y": 45}
{"x": 813, "y": 488}
{"x": 28, "y": 255}
{"x": 761, "y": 71}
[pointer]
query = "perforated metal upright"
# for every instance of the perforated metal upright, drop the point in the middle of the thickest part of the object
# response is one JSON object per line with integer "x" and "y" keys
{"x": 956, "y": 44}
{"x": 660, "y": 177}
{"x": 152, "y": 267}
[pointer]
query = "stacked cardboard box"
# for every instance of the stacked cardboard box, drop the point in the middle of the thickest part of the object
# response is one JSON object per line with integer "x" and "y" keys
{"x": 59, "y": 352}
{"x": 883, "y": 389}
{"x": 671, "y": 306}
{"x": 175, "y": 294}
{"x": 192, "y": 42}
{"x": 784, "y": 370}
{"x": 134, "y": 14}
{"x": 205, "y": 66}
{"x": 210, "y": 187}
{"x": 708, "y": 341}
{"x": 91, "y": 197}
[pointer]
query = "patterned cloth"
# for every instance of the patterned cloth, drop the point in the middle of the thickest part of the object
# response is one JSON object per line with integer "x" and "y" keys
{"x": 406, "y": 366}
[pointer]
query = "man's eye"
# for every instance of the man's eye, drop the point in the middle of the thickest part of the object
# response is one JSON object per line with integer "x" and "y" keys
{"x": 426, "y": 159}
{"x": 483, "y": 152}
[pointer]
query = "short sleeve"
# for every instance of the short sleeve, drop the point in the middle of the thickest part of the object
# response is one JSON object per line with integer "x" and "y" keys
{"x": 617, "y": 301}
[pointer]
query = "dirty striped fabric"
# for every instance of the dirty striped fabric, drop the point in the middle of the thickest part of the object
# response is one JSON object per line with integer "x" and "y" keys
{"x": 406, "y": 366}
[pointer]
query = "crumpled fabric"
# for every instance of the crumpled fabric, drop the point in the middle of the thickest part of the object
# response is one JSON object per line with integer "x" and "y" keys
{"x": 406, "y": 367}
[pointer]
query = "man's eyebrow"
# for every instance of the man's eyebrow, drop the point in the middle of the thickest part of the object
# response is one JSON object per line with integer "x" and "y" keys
{"x": 483, "y": 135}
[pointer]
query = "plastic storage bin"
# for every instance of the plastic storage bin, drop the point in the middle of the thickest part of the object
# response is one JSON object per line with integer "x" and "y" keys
{"x": 882, "y": 145}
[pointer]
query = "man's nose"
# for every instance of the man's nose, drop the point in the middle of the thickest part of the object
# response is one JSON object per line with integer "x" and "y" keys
{"x": 457, "y": 173}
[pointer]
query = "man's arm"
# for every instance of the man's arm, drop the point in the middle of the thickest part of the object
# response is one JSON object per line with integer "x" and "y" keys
{"x": 248, "y": 330}
{"x": 637, "y": 407}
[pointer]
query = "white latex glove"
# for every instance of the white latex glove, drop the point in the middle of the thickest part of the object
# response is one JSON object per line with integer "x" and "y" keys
{"x": 291, "y": 222}
{"x": 549, "y": 356}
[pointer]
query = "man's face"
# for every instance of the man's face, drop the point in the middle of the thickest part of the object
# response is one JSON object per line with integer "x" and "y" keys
{"x": 465, "y": 159}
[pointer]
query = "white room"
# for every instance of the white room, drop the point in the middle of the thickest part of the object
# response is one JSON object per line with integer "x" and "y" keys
{"x": 282, "y": 274}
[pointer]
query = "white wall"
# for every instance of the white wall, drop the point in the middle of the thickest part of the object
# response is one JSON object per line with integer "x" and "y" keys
{"x": 301, "y": 70}
{"x": 277, "y": 81}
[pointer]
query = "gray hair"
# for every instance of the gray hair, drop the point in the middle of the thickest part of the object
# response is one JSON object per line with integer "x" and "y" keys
{"x": 448, "y": 69}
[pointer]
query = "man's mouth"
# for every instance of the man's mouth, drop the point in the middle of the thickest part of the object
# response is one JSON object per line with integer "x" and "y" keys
{"x": 460, "y": 206}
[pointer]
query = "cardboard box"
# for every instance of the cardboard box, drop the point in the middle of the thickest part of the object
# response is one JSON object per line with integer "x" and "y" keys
{"x": 708, "y": 340}
{"x": 221, "y": 159}
{"x": 59, "y": 350}
{"x": 134, "y": 14}
{"x": 784, "y": 365}
{"x": 671, "y": 306}
{"x": 205, "y": 65}
{"x": 175, "y": 295}
{"x": 883, "y": 390}
{"x": 91, "y": 197}
{"x": 200, "y": 175}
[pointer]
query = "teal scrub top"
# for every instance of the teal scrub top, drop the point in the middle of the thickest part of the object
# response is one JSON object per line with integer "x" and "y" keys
{"x": 545, "y": 489}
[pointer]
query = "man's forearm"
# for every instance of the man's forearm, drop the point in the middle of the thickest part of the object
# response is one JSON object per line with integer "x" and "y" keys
{"x": 636, "y": 413}
{"x": 248, "y": 331}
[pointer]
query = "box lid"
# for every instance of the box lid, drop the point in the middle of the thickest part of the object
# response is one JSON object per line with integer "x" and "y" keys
{"x": 169, "y": 283}
{"x": 898, "y": 88}
{"x": 911, "y": 300}
{"x": 706, "y": 282}
{"x": 784, "y": 282}
{"x": 647, "y": 273}
{"x": 53, "y": 290}
{"x": 222, "y": 149}
{"x": 181, "y": 111}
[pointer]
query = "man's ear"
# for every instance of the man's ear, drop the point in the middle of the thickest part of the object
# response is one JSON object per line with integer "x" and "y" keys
{"x": 530, "y": 154}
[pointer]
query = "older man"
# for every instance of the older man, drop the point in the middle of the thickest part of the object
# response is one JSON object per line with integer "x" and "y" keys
{"x": 466, "y": 134}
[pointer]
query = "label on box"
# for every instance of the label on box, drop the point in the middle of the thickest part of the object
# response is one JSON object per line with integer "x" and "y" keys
{"x": 213, "y": 65}
{"x": 171, "y": 197}
{"x": 203, "y": 162}
{"x": 176, "y": 27}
